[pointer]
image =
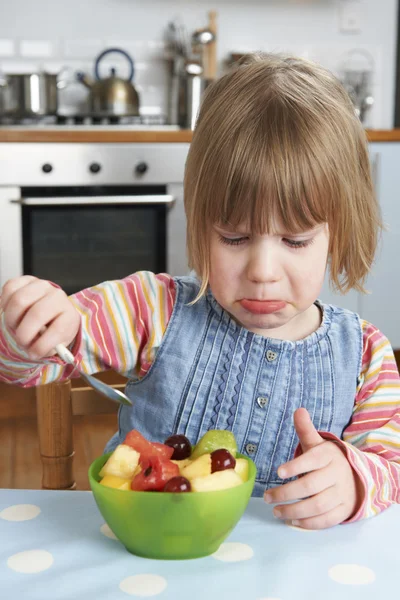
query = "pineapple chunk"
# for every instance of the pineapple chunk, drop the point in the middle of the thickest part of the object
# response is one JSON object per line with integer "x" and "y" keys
{"x": 118, "y": 483}
{"x": 136, "y": 471}
{"x": 182, "y": 463}
{"x": 220, "y": 480}
{"x": 200, "y": 467}
{"x": 242, "y": 468}
{"x": 122, "y": 462}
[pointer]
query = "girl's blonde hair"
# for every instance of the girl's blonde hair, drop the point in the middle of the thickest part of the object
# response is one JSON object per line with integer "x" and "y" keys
{"x": 278, "y": 138}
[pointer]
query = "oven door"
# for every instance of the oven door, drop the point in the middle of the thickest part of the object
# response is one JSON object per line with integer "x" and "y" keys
{"x": 79, "y": 241}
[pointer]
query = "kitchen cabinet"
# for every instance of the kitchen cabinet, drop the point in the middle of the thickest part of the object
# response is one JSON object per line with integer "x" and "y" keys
{"x": 382, "y": 305}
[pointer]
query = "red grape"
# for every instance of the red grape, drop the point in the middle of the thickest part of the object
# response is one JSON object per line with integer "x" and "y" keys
{"x": 221, "y": 459}
{"x": 181, "y": 445}
{"x": 177, "y": 484}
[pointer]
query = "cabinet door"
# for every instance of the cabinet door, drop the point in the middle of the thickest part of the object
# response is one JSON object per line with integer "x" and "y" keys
{"x": 382, "y": 306}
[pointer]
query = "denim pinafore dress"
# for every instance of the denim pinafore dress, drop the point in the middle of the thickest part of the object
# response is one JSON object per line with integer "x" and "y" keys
{"x": 211, "y": 373}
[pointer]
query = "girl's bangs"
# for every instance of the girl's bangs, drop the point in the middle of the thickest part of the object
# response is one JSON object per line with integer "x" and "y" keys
{"x": 271, "y": 184}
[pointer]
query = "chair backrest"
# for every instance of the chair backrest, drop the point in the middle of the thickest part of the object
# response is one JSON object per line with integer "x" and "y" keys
{"x": 56, "y": 404}
{"x": 54, "y": 407}
{"x": 54, "y": 421}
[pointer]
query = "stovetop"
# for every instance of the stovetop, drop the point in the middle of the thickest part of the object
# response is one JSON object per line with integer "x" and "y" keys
{"x": 84, "y": 121}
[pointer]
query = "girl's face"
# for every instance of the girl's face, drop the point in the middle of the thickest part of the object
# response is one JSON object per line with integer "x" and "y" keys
{"x": 269, "y": 283}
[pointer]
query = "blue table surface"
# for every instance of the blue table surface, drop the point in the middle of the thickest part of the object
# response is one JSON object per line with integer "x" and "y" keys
{"x": 54, "y": 545}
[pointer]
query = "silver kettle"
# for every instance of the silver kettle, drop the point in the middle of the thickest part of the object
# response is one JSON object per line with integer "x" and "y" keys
{"x": 112, "y": 96}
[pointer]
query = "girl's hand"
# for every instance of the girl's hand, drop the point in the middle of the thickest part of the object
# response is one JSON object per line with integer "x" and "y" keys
{"x": 327, "y": 488}
{"x": 39, "y": 315}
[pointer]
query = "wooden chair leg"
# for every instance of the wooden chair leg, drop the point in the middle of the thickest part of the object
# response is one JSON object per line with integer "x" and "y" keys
{"x": 54, "y": 415}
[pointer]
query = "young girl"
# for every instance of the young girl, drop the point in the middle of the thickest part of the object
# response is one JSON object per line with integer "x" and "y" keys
{"x": 277, "y": 186}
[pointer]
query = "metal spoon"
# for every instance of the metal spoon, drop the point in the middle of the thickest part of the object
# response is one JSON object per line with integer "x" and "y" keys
{"x": 99, "y": 386}
{"x": 203, "y": 37}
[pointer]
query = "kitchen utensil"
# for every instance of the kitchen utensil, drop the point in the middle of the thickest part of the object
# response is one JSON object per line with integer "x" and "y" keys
{"x": 178, "y": 39}
{"x": 200, "y": 39}
{"x": 210, "y": 50}
{"x": 189, "y": 71}
{"x": 96, "y": 384}
{"x": 357, "y": 74}
{"x": 357, "y": 84}
{"x": 203, "y": 37}
{"x": 175, "y": 65}
{"x": 191, "y": 88}
{"x": 27, "y": 95}
{"x": 171, "y": 525}
{"x": 112, "y": 96}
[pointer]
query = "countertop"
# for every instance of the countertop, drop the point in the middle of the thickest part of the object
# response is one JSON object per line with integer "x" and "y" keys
{"x": 94, "y": 134}
{"x": 120, "y": 135}
{"x": 55, "y": 546}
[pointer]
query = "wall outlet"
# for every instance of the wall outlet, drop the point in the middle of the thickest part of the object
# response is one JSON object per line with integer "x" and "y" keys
{"x": 350, "y": 12}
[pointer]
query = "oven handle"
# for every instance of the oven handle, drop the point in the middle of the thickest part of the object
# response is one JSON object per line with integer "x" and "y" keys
{"x": 93, "y": 200}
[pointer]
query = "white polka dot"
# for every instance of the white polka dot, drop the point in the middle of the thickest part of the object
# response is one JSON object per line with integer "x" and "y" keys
{"x": 20, "y": 512}
{"x": 105, "y": 530}
{"x": 351, "y": 574}
{"x": 30, "y": 561}
{"x": 143, "y": 586}
{"x": 233, "y": 552}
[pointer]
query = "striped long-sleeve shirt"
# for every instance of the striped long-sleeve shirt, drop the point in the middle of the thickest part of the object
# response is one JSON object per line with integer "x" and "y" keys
{"x": 123, "y": 324}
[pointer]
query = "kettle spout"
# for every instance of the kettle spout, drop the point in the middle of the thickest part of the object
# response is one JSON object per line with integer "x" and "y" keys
{"x": 83, "y": 78}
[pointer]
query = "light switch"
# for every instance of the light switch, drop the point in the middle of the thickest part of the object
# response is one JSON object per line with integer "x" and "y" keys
{"x": 350, "y": 16}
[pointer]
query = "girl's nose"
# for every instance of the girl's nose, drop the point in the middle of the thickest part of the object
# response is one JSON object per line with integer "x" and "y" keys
{"x": 263, "y": 265}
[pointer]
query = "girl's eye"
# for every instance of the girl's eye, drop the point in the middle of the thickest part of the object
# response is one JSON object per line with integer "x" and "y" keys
{"x": 298, "y": 243}
{"x": 232, "y": 241}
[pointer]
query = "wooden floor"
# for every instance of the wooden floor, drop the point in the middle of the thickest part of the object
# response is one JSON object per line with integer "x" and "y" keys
{"x": 20, "y": 465}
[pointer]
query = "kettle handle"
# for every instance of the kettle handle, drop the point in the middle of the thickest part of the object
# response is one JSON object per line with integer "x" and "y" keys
{"x": 119, "y": 51}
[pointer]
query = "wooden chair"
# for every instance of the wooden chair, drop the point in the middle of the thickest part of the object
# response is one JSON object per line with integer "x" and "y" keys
{"x": 54, "y": 405}
{"x": 54, "y": 421}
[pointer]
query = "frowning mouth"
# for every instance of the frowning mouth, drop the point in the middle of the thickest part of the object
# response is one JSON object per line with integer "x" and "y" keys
{"x": 262, "y": 307}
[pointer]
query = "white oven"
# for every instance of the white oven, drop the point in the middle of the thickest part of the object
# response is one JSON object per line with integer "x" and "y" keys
{"x": 78, "y": 214}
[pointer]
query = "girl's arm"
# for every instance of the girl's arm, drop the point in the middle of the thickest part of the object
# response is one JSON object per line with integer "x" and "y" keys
{"x": 372, "y": 439}
{"x": 122, "y": 325}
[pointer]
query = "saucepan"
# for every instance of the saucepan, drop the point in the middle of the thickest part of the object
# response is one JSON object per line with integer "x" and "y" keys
{"x": 27, "y": 95}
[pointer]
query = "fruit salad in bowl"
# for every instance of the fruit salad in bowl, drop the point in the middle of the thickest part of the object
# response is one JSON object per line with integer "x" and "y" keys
{"x": 172, "y": 500}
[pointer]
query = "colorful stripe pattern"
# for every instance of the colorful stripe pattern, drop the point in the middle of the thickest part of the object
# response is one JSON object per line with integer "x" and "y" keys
{"x": 372, "y": 439}
{"x": 123, "y": 323}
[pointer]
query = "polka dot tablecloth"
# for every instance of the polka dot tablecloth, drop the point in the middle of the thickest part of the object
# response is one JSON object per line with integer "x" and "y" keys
{"x": 55, "y": 545}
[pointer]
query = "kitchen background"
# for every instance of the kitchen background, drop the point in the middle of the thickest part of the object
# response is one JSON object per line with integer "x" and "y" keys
{"x": 83, "y": 200}
{"x": 53, "y": 34}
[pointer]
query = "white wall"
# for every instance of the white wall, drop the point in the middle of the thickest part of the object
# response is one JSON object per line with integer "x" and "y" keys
{"x": 75, "y": 31}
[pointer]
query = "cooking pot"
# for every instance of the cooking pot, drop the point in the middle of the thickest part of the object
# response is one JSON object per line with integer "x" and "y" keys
{"x": 112, "y": 96}
{"x": 27, "y": 95}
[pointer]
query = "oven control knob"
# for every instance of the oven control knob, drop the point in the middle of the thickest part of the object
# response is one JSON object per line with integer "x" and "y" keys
{"x": 141, "y": 168}
{"x": 47, "y": 168}
{"x": 95, "y": 168}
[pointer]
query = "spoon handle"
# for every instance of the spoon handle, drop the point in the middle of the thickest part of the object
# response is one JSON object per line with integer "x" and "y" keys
{"x": 65, "y": 354}
{"x": 62, "y": 351}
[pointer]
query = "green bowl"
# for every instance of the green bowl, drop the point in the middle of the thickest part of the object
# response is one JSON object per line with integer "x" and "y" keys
{"x": 171, "y": 526}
